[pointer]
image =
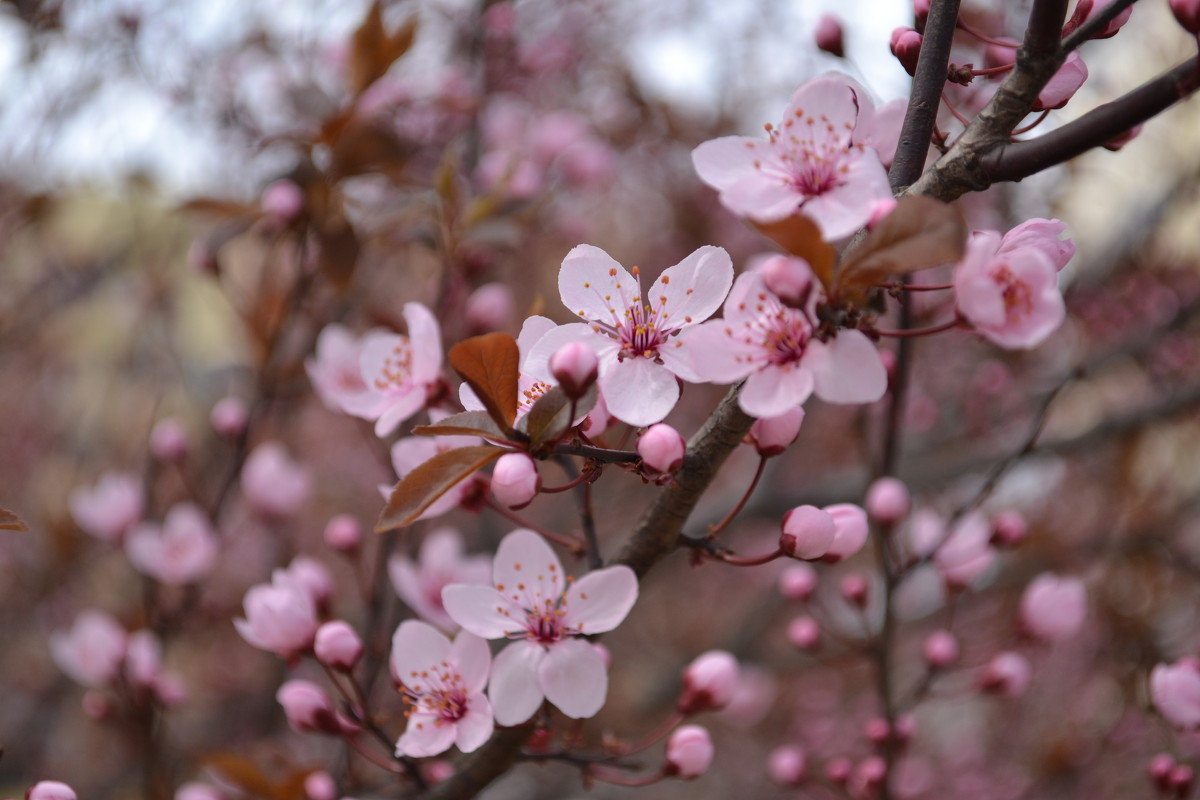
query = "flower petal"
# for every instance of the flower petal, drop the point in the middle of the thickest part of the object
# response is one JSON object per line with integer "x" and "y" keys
{"x": 514, "y": 689}
{"x": 471, "y": 656}
{"x": 425, "y": 339}
{"x": 594, "y": 286}
{"x": 844, "y": 209}
{"x": 416, "y": 646}
{"x": 639, "y": 391}
{"x": 537, "y": 363}
{"x": 692, "y": 290}
{"x": 426, "y": 735}
{"x": 600, "y": 600}
{"x": 527, "y": 572}
{"x": 847, "y": 369}
{"x": 477, "y": 724}
{"x": 773, "y": 390}
{"x": 482, "y": 610}
{"x": 574, "y": 679}
{"x": 730, "y": 159}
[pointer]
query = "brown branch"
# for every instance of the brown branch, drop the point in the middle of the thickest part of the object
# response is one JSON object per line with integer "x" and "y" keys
{"x": 483, "y": 766}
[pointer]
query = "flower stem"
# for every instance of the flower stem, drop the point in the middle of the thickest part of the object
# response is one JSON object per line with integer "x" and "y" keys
{"x": 915, "y": 332}
{"x": 713, "y": 530}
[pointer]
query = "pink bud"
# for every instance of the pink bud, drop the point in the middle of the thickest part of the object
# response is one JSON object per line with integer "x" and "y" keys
{"x": 854, "y": 588}
{"x": 1187, "y": 13}
{"x": 197, "y": 791}
{"x": 338, "y": 645}
{"x": 515, "y": 480}
{"x": 807, "y": 532}
{"x": 837, "y": 770}
{"x": 315, "y": 578}
{"x": 689, "y": 752}
{"x": 1009, "y": 529}
{"x": 868, "y": 776}
{"x": 904, "y": 728}
{"x": 1008, "y": 673}
{"x": 906, "y": 47}
{"x": 308, "y": 707}
{"x": 772, "y": 435}
{"x": 1086, "y": 9}
{"x": 876, "y": 730}
{"x": 320, "y": 785}
{"x": 50, "y": 790}
{"x": 1117, "y": 142}
{"x": 804, "y": 633}
{"x": 940, "y": 649}
{"x": 661, "y": 448}
{"x": 282, "y": 200}
{"x": 169, "y": 440}
{"x": 575, "y": 367}
{"x": 798, "y": 582}
{"x": 1175, "y": 691}
{"x": 709, "y": 682}
{"x": 111, "y": 508}
{"x": 881, "y": 209}
{"x": 1159, "y": 770}
{"x": 491, "y": 307}
{"x": 1052, "y": 607}
{"x": 851, "y": 535}
{"x": 1181, "y": 779}
{"x": 1063, "y": 84}
{"x": 788, "y": 765}
{"x": 920, "y": 13}
{"x": 829, "y": 36}
{"x": 229, "y": 416}
{"x": 343, "y": 533}
{"x": 789, "y": 278}
{"x": 437, "y": 771}
{"x": 888, "y": 501}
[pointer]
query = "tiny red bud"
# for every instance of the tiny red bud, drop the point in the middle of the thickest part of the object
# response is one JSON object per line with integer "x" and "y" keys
{"x": 829, "y": 36}
{"x": 804, "y": 633}
{"x": 788, "y": 765}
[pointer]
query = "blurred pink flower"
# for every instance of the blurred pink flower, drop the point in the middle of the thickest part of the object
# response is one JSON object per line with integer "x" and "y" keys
{"x": 338, "y": 645}
{"x": 92, "y": 651}
{"x": 308, "y": 707}
{"x": 410, "y": 452}
{"x": 273, "y": 483}
{"x": 336, "y": 374}
{"x": 440, "y": 562}
{"x": 1175, "y": 690}
{"x": 815, "y": 162}
{"x": 709, "y": 682}
{"x": 1053, "y": 607}
{"x": 280, "y": 616}
{"x": 50, "y": 790}
{"x": 634, "y": 338}
{"x": 183, "y": 550}
{"x": 110, "y": 508}
{"x": 399, "y": 370}
{"x": 529, "y": 604}
{"x": 443, "y": 687}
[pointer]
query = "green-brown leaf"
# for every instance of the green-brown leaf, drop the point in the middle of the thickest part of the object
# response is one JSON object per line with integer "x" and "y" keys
{"x": 490, "y": 364}
{"x": 468, "y": 423}
{"x": 551, "y": 415}
{"x": 920, "y": 232}
{"x": 418, "y": 490}
{"x": 11, "y": 522}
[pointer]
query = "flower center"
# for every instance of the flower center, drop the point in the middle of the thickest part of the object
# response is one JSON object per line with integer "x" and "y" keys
{"x": 812, "y": 156}
{"x": 438, "y": 692}
{"x": 530, "y": 395}
{"x": 780, "y": 333}
{"x": 641, "y": 328}
{"x": 1018, "y": 298}
{"x": 397, "y": 368}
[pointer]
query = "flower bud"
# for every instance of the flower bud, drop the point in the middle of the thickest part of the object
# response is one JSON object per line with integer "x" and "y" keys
{"x": 282, "y": 200}
{"x": 1086, "y": 9}
{"x": 868, "y": 776}
{"x": 1063, "y": 84}
{"x": 1175, "y": 692}
{"x": 491, "y": 307}
{"x": 661, "y": 448}
{"x": 850, "y": 523}
{"x": 772, "y": 435}
{"x": 829, "y": 36}
{"x": 229, "y": 416}
{"x": 888, "y": 501}
{"x": 515, "y": 480}
{"x": 940, "y": 649}
{"x": 877, "y": 730}
{"x": 855, "y": 589}
{"x": 320, "y": 785}
{"x": 575, "y": 367}
{"x": 1159, "y": 770}
{"x": 689, "y": 752}
{"x": 338, "y": 645}
{"x": 274, "y": 484}
{"x": 798, "y": 582}
{"x": 308, "y": 707}
{"x": 709, "y": 682}
{"x": 920, "y": 13}
{"x": 906, "y": 47}
{"x": 1181, "y": 779}
{"x": 169, "y": 440}
{"x": 1009, "y": 529}
{"x": 788, "y": 765}
{"x": 343, "y": 533}
{"x": 837, "y": 770}
{"x": 807, "y": 532}
{"x": 1052, "y": 607}
{"x": 1008, "y": 673}
{"x": 1187, "y": 13}
{"x": 50, "y": 790}
{"x": 790, "y": 278}
{"x": 804, "y": 633}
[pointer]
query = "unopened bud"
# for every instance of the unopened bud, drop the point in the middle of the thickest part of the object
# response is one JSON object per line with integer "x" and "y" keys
{"x": 798, "y": 582}
{"x": 829, "y": 36}
{"x": 229, "y": 416}
{"x": 1181, "y": 780}
{"x": 1008, "y": 673}
{"x": 307, "y": 707}
{"x": 854, "y": 589}
{"x": 1009, "y": 529}
{"x": 1063, "y": 84}
{"x": 788, "y": 765}
{"x": 169, "y": 440}
{"x": 940, "y": 649}
{"x": 789, "y": 278}
{"x": 338, "y": 645}
{"x": 906, "y": 47}
{"x": 575, "y": 367}
{"x": 850, "y": 522}
{"x": 320, "y": 785}
{"x": 888, "y": 501}
{"x": 807, "y": 532}
{"x": 772, "y": 435}
{"x": 689, "y": 752}
{"x": 515, "y": 480}
{"x": 804, "y": 633}
{"x": 709, "y": 682}
{"x": 1086, "y": 9}
{"x": 920, "y": 13}
{"x": 343, "y": 533}
{"x": 661, "y": 448}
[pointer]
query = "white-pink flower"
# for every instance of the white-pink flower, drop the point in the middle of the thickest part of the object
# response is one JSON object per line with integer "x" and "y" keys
{"x": 533, "y": 379}
{"x": 774, "y": 347}
{"x": 92, "y": 651}
{"x": 272, "y": 482}
{"x": 443, "y": 687}
{"x": 336, "y": 374}
{"x": 532, "y": 604}
{"x": 817, "y": 161}
{"x": 1053, "y": 607}
{"x": 634, "y": 334}
{"x": 399, "y": 370}
{"x": 440, "y": 563}
{"x": 110, "y": 508}
{"x": 1008, "y": 287}
{"x": 280, "y": 616}
{"x": 182, "y": 550}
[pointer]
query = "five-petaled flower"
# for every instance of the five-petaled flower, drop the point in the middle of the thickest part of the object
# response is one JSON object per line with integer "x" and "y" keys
{"x": 398, "y": 371}
{"x": 443, "y": 688}
{"x": 635, "y": 334}
{"x": 544, "y": 612}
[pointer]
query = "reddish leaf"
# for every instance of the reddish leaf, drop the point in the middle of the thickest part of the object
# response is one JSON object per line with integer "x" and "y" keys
{"x": 373, "y": 49}
{"x": 418, "y": 490}
{"x": 490, "y": 364}
{"x": 468, "y": 423}
{"x": 11, "y": 522}
{"x": 242, "y": 772}
{"x": 801, "y": 237}
{"x": 920, "y": 232}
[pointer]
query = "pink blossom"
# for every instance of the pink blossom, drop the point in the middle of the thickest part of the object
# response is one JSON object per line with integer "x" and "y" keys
{"x": 807, "y": 532}
{"x": 400, "y": 370}
{"x": 772, "y": 435}
{"x": 788, "y": 765}
{"x": 1053, "y": 607}
{"x": 965, "y": 553}
{"x": 635, "y": 339}
{"x": 1063, "y": 84}
{"x": 689, "y": 752}
{"x": 440, "y": 563}
{"x": 515, "y": 480}
{"x": 829, "y": 36}
{"x": 229, "y": 416}
{"x": 888, "y": 501}
{"x": 1175, "y": 690}
{"x": 183, "y": 550}
{"x": 280, "y": 616}
{"x": 775, "y": 348}
{"x": 529, "y": 604}
{"x": 336, "y": 372}
{"x": 92, "y": 651}
{"x": 443, "y": 686}
{"x": 851, "y": 531}
{"x": 533, "y": 379}
{"x": 308, "y": 707}
{"x": 169, "y": 440}
{"x": 143, "y": 659}
{"x": 661, "y": 448}
{"x": 804, "y": 633}
{"x": 789, "y": 278}
{"x": 815, "y": 162}
{"x": 50, "y": 790}
{"x": 273, "y": 483}
{"x": 1010, "y": 294}
{"x": 709, "y": 682}
{"x": 1008, "y": 673}
{"x": 338, "y": 645}
{"x": 314, "y": 576}
{"x": 109, "y": 509}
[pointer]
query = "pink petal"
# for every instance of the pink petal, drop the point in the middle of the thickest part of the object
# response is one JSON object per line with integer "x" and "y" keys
{"x": 773, "y": 390}
{"x": 847, "y": 207}
{"x": 416, "y": 646}
{"x": 594, "y": 286}
{"x": 514, "y": 688}
{"x": 693, "y": 289}
{"x": 600, "y": 600}
{"x": 526, "y": 570}
{"x": 477, "y": 724}
{"x": 442, "y": 549}
{"x": 847, "y": 369}
{"x": 731, "y": 159}
{"x": 713, "y": 352}
{"x": 574, "y": 679}
{"x": 482, "y": 610}
{"x": 426, "y": 735}
{"x": 766, "y": 198}
{"x": 639, "y": 392}
{"x": 470, "y": 654}
{"x": 831, "y": 99}
{"x": 425, "y": 338}
{"x": 532, "y": 329}
{"x": 399, "y": 409}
